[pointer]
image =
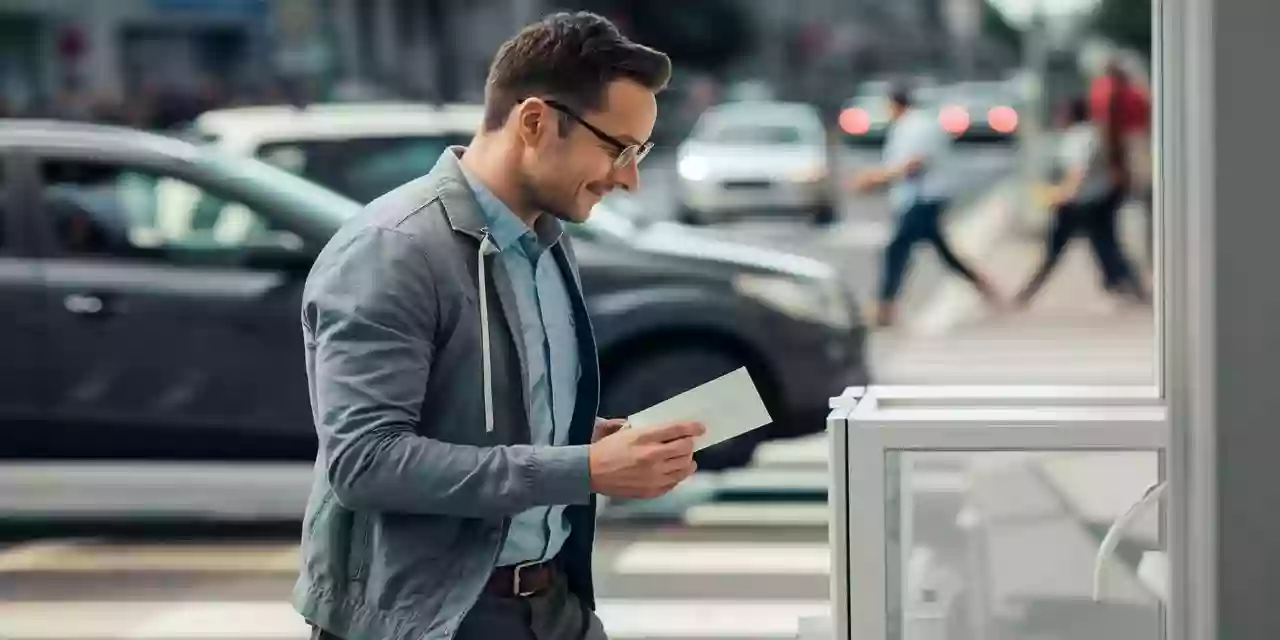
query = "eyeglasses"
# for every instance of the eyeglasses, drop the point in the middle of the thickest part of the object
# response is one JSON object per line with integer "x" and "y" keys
{"x": 628, "y": 154}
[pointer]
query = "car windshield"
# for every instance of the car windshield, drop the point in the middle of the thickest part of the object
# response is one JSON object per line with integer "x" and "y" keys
{"x": 743, "y": 131}
{"x": 979, "y": 94}
{"x": 274, "y": 183}
{"x": 362, "y": 168}
{"x": 618, "y": 217}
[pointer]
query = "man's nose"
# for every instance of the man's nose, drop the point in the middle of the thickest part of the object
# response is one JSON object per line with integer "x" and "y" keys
{"x": 628, "y": 177}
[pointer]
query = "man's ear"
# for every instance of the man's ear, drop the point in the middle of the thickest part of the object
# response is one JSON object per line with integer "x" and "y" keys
{"x": 532, "y": 121}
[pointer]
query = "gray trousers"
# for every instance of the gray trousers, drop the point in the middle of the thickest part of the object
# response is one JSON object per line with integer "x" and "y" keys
{"x": 554, "y": 614}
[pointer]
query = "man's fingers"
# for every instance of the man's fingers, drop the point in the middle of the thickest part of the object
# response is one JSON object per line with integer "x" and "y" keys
{"x": 672, "y": 431}
{"x": 675, "y": 466}
{"x": 681, "y": 449}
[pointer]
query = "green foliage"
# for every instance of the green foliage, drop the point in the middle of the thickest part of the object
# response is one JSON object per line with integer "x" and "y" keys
{"x": 997, "y": 28}
{"x": 1127, "y": 22}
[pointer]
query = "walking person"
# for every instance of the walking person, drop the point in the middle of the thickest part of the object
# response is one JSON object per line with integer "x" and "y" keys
{"x": 1085, "y": 199}
{"x": 1121, "y": 110}
{"x": 453, "y": 368}
{"x": 916, "y": 151}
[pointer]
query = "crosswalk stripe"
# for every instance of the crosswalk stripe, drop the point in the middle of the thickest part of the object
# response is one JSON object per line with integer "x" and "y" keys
{"x": 92, "y": 557}
{"x": 765, "y": 479}
{"x": 757, "y": 514}
{"x": 35, "y": 556}
{"x": 801, "y": 452}
{"x": 623, "y": 619}
{"x": 721, "y": 558}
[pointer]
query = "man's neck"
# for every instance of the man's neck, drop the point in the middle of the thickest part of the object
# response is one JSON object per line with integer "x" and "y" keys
{"x": 487, "y": 165}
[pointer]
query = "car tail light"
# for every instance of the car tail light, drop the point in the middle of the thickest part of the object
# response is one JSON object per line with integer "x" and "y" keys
{"x": 955, "y": 120}
{"x": 1003, "y": 119}
{"x": 855, "y": 121}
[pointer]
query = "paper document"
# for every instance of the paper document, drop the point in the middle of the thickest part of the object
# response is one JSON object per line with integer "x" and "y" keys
{"x": 728, "y": 406}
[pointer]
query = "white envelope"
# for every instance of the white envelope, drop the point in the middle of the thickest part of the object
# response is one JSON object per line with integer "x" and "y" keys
{"x": 728, "y": 406}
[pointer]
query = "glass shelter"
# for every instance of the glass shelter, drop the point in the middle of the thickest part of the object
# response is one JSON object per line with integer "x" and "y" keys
{"x": 1196, "y": 555}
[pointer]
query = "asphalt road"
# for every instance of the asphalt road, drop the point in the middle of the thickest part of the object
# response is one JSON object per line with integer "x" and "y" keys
{"x": 715, "y": 577}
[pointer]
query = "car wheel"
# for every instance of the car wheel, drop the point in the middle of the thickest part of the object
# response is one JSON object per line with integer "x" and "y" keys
{"x": 652, "y": 377}
{"x": 825, "y": 214}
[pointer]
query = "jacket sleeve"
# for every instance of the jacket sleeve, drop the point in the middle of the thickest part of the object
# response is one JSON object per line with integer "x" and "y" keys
{"x": 370, "y": 310}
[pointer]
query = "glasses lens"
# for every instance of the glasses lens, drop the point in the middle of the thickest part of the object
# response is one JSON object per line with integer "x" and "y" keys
{"x": 643, "y": 151}
{"x": 628, "y": 156}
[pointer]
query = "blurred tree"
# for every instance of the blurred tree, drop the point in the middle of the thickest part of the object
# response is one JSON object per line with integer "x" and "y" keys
{"x": 1127, "y": 22}
{"x": 996, "y": 27}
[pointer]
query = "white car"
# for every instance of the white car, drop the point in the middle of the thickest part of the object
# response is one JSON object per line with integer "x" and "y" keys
{"x": 756, "y": 157}
{"x": 362, "y": 150}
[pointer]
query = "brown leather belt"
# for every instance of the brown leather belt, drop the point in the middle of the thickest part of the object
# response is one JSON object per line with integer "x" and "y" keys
{"x": 521, "y": 580}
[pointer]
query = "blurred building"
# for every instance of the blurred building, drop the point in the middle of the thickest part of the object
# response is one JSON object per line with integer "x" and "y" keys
{"x": 48, "y": 47}
{"x": 219, "y": 51}
{"x": 432, "y": 50}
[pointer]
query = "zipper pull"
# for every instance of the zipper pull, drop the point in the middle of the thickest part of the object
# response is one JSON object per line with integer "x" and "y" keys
{"x": 487, "y": 245}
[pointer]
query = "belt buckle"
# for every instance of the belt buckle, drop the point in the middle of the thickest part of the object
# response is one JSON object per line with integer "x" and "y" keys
{"x": 515, "y": 578}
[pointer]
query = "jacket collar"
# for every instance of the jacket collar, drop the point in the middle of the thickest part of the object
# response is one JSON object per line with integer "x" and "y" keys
{"x": 463, "y": 209}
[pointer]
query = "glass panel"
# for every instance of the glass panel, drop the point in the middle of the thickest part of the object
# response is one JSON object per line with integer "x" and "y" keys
{"x": 985, "y": 545}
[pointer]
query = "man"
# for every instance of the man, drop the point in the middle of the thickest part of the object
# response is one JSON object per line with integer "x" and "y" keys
{"x": 453, "y": 369}
{"x": 914, "y": 150}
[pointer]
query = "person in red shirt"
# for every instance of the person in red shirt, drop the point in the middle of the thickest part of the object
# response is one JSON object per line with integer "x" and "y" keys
{"x": 1121, "y": 109}
{"x": 1113, "y": 96}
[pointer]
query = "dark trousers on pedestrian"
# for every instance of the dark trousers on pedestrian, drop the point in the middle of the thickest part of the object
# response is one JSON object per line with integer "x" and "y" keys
{"x": 919, "y": 223}
{"x": 1097, "y": 221}
{"x": 552, "y": 614}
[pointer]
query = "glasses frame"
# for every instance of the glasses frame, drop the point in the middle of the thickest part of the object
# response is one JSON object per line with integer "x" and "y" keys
{"x": 628, "y": 154}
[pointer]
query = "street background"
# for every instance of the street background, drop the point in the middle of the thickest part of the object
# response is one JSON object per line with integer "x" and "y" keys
{"x": 736, "y": 554}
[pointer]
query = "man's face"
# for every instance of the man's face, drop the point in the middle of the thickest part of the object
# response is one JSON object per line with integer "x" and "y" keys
{"x": 567, "y": 176}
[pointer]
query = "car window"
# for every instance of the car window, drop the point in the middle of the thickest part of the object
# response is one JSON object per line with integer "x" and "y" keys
{"x": 103, "y": 209}
{"x": 361, "y": 168}
{"x": 746, "y": 132}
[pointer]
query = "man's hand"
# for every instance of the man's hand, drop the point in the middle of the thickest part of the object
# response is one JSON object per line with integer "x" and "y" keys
{"x": 644, "y": 463}
{"x": 866, "y": 180}
{"x": 606, "y": 427}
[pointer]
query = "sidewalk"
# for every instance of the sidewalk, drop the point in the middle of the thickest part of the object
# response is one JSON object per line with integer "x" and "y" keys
{"x": 1072, "y": 334}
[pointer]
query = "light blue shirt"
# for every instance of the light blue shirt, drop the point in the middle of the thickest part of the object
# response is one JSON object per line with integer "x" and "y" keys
{"x": 917, "y": 133}
{"x": 551, "y": 344}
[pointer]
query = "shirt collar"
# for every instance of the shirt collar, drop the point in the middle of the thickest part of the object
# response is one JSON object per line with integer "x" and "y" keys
{"x": 505, "y": 227}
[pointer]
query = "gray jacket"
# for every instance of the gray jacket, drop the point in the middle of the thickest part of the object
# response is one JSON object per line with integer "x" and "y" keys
{"x": 424, "y": 425}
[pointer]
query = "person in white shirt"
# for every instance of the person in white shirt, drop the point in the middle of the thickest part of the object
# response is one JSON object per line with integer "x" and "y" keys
{"x": 915, "y": 150}
{"x": 1085, "y": 200}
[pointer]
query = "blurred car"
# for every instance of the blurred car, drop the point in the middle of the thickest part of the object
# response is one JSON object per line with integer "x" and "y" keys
{"x": 152, "y": 288}
{"x": 865, "y": 118}
{"x": 756, "y": 157}
{"x": 361, "y": 150}
{"x": 985, "y": 111}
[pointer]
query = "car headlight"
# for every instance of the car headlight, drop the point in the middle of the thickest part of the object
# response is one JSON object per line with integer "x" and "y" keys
{"x": 694, "y": 168}
{"x": 819, "y": 300}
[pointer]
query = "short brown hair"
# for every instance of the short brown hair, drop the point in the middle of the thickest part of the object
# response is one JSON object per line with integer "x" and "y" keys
{"x": 572, "y": 57}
